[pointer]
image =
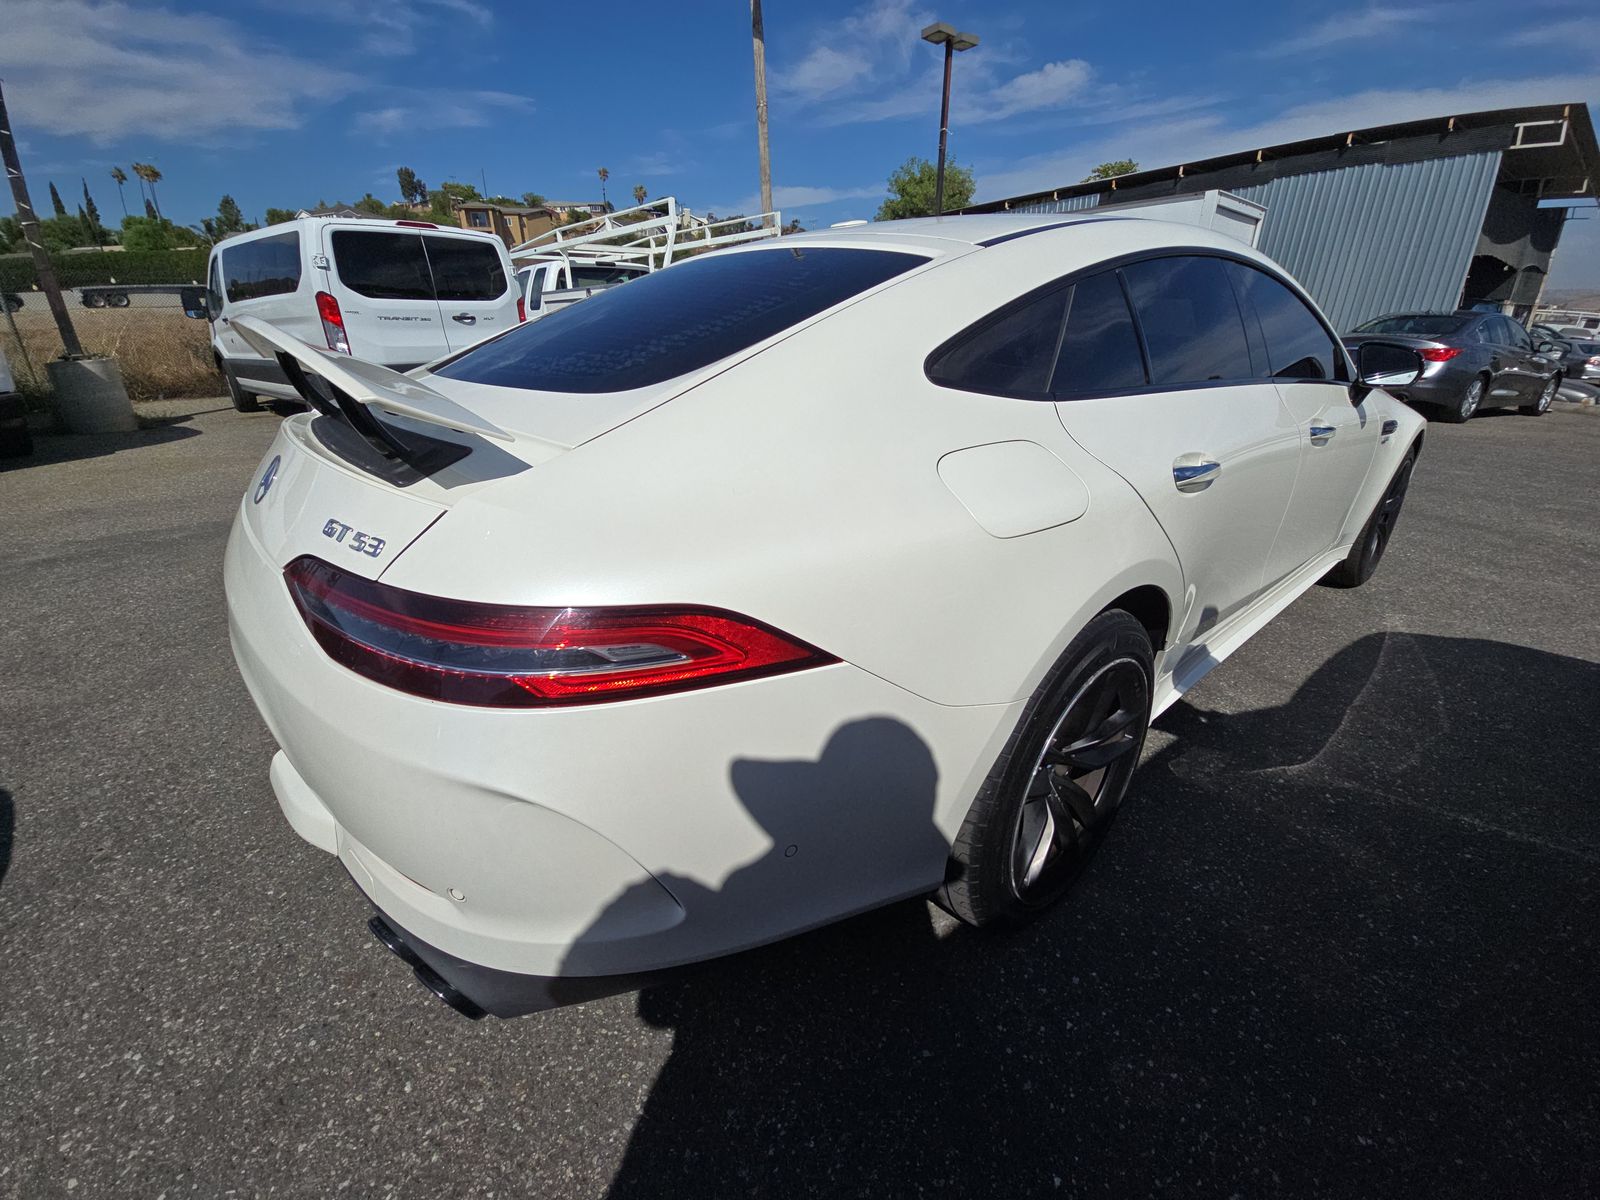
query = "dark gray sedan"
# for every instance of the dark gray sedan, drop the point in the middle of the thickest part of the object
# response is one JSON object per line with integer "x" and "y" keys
{"x": 1471, "y": 360}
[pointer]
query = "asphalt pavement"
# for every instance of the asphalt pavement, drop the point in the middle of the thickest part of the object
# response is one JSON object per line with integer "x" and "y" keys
{"x": 1343, "y": 939}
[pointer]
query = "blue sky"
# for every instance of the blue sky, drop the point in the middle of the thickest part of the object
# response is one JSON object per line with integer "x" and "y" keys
{"x": 288, "y": 102}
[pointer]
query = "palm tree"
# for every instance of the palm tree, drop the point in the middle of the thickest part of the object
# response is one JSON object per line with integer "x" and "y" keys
{"x": 604, "y": 175}
{"x": 121, "y": 177}
{"x": 151, "y": 175}
{"x": 639, "y": 193}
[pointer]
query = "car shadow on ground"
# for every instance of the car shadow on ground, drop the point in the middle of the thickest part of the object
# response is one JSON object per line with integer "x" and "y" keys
{"x": 52, "y": 448}
{"x": 1344, "y": 946}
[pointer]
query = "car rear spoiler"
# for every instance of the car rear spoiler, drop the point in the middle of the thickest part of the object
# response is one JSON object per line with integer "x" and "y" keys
{"x": 350, "y": 386}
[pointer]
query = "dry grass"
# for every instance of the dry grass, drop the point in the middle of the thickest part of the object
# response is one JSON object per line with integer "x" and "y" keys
{"x": 162, "y": 353}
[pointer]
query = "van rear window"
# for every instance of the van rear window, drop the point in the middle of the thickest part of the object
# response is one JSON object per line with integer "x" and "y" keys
{"x": 465, "y": 270}
{"x": 382, "y": 265}
{"x": 266, "y": 266}
{"x": 675, "y": 321}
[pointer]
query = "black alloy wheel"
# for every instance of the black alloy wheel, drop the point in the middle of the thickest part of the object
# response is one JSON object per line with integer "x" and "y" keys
{"x": 1367, "y": 553}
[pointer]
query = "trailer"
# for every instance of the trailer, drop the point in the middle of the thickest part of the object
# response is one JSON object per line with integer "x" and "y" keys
{"x": 120, "y": 295}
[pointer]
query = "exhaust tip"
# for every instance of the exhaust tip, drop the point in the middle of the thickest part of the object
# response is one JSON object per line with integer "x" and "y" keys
{"x": 426, "y": 975}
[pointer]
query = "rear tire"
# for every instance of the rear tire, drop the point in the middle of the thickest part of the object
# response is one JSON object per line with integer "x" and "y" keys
{"x": 1542, "y": 405}
{"x": 118, "y": 300}
{"x": 1045, "y": 807}
{"x": 1467, "y": 403}
{"x": 243, "y": 401}
{"x": 1367, "y": 553}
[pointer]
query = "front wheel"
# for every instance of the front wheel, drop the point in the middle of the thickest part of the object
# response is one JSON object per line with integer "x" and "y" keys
{"x": 1045, "y": 807}
{"x": 242, "y": 401}
{"x": 1542, "y": 405}
{"x": 1365, "y": 555}
{"x": 1467, "y": 403}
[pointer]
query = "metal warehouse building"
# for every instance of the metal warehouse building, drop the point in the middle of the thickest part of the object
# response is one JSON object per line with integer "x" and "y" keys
{"x": 1422, "y": 216}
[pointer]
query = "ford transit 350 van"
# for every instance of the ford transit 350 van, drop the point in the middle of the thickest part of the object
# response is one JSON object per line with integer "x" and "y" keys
{"x": 399, "y": 293}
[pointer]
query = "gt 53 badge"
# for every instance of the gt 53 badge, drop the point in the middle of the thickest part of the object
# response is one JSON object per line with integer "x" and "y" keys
{"x": 353, "y": 539}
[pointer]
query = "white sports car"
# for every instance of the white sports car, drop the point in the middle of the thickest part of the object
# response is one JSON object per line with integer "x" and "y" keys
{"x": 787, "y": 582}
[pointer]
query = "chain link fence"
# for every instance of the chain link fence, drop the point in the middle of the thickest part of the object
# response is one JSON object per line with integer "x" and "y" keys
{"x": 163, "y": 353}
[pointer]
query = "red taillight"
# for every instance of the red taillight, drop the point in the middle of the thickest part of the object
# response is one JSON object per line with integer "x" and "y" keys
{"x": 332, "y": 323}
{"x": 507, "y": 656}
{"x": 522, "y": 309}
{"x": 1439, "y": 353}
{"x": 1595, "y": 361}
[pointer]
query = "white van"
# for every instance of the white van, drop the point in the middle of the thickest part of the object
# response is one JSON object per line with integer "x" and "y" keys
{"x": 399, "y": 293}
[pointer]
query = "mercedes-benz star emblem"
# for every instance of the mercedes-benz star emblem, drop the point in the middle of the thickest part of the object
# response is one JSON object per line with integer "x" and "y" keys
{"x": 267, "y": 477}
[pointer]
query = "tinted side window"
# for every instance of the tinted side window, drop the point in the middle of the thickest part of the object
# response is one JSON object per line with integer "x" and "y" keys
{"x": 465, "y": 270}
{"x": 268, "y": 266}
{"x": 599, "y": 276}
{"x": 1297, "y": 345}
{"x": 1012, "y": 355}
{"x": 385, "y": 266}
{"x": 672, "y": 322}
{"x": 1100, "y": 350}
{"x": 1191, "y": 322}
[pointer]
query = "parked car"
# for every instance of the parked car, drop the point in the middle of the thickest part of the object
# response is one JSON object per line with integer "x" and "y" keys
{"x": 556, "y": 282}
{"x": 396, "y": 293}
{"x": 1472, "y": 360}
{"x": 1582, "y": 360}
{"x": 793, "y": 580}
{"x": 1574, "y": 349}
{"x": 16, "y": 440}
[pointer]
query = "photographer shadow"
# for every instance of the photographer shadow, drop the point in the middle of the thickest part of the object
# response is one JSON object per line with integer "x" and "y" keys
{"x": 1345, "y": 945}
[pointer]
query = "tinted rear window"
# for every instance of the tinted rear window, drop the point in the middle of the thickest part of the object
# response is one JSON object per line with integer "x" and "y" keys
{"x": 1099, "y": 350}
{"x": 675, "y": 321}
{"x": 1011, "y": 355}
{"x": 1422, "y": 325}
{"x": 1192, "y": 327}
{"x": 465, "y": 269}
{"x": 385, "y": 266}
{"x": 268, "y": 266}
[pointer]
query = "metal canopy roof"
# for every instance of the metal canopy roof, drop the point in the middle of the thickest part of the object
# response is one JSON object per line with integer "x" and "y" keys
{"x": 1549, "y": 150}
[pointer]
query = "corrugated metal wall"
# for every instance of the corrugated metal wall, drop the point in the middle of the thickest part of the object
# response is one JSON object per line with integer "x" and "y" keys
{"x": 1369, "y": 238}
{"x": 1379, "y": 237}
{"x": 1065, "y": 204}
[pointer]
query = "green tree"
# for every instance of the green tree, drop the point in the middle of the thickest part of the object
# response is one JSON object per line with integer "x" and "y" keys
{"x": 442, "y": 202}
{"x": 143, "y": 235}
{"x": 277, "y": 216}
{"x": 55, "y": 201}
{"x": 149, "y": 175}
{"x": 371, "y": 204}
{"x": 150, "y": 213}
{"x": 412, "y": 190}
{"x": 10, "y": 235}
{"x": 1110, "y": 170}
{"x": 121, "y": 177}
{"x": 604, "y": 175}
{"x": 228, "y": 221}
{"x": 97, "y": 232}
{"x": 62, "y": 233}
{"x": 793, "y": 226}
{"x": 914, "y": 183}
{"x": 639, "y": 194}
{"x": 533, "y": 199}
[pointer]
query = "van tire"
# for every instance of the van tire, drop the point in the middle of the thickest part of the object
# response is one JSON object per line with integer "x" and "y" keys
{"x": 243, "y": 401}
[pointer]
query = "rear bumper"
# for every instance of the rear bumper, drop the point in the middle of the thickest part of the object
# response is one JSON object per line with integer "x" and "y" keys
{"x": 513, "y": 848}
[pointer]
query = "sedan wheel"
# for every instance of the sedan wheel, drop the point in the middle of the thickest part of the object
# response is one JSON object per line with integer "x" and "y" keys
{"x": 1048, "y": 802}
{"x": 1542, "y": 405}
{"x": 1468, "y": 404}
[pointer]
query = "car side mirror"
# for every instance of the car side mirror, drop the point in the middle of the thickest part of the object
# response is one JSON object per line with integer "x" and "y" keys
{"x": 1551, "y": 348}
{"x": 194, "y": 304}
{"x": 1387, "y": 365}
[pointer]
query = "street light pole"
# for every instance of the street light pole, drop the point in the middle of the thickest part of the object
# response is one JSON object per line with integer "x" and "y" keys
{"x": 941, "y": 34}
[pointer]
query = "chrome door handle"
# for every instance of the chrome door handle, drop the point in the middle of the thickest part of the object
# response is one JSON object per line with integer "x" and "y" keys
{"x": 1321, "y": 433}
{"x": 465, "y": 318}
{"x": 1194, "y": 472}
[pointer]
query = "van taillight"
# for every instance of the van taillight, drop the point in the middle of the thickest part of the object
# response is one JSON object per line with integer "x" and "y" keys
{"x": 522, "y": 309}
{"x": 512, "y": 656}
{"x": 332, "y": 323}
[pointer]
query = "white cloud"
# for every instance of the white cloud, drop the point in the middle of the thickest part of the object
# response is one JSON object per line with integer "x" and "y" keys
{"x": 1574, "y": 31}
{"x": 1159, "y": 144}
{"x": 659, "y": 162}
{"x": 390, "y": 27}
{"x": 110, "y": 71}
{"x": 1368, "y": 24}
{"x": 860, "y": 50}
{"x": 446, "y": 108}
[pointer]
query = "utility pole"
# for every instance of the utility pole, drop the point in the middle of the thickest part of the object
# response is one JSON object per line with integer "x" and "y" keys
{"x": 759, "y": 37}
{"x": 29, "y": 221}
